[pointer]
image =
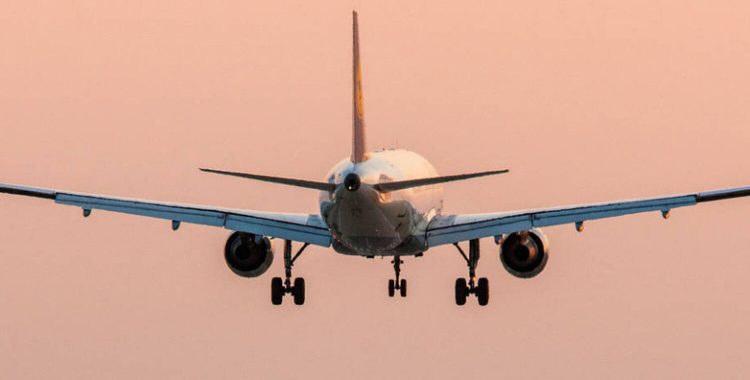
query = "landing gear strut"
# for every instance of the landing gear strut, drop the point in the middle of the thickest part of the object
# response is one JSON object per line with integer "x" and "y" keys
{"x": 399, "y": 283}
{"x": 479, "y": 288}
{"x": 279, "y": 287}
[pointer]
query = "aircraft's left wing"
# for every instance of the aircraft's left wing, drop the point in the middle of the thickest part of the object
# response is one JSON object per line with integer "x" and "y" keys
{"x": 457, "y": 228}
{"x": 297, "y": 227}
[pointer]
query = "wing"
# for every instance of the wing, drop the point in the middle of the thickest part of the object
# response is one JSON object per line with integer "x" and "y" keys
{"x": 298, "y": 227}
{"x": 456, "y": 228}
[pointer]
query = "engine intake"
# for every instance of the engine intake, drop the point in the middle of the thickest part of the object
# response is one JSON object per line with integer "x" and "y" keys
{"x": 248, "y": 255}
{"x": 524, "y": 254}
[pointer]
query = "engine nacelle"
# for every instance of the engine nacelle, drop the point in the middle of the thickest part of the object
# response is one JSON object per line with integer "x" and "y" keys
{"x": 524, "y": 254}
{"x": 248, "y": 255}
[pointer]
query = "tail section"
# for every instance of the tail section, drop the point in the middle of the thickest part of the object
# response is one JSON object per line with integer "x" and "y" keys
{"x": 323, "y": 186}
{"x": 359, "y": 146}
{"x": 411, "y": 183}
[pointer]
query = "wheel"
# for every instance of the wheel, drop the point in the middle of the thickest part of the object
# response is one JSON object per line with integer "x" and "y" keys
{"x": 299, "y": 291}
{"x": 277, "y": 290}
{"x": 461, "y": 291}
{"x": 403, "y": 288}
{"x": 391, "y": 288}
{"x": 483, "y": 291}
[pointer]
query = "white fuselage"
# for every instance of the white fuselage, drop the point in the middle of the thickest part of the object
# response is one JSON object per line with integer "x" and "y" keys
{"x": 367, "y": 222}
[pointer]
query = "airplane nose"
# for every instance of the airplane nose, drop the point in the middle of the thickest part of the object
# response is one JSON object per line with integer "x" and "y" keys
{"x": 352, "y": 182}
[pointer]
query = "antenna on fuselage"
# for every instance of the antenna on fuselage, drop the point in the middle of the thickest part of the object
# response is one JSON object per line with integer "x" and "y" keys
{"x": 359, "y": 146}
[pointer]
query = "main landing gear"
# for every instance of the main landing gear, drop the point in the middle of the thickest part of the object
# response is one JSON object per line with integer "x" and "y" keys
{"x": 397, "y": 284}
{"x": 479, "y": 288}
{"x": 279, "y": 288}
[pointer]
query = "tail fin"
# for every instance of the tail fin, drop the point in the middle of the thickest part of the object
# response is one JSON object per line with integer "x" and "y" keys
{"x": 359, "y": 147}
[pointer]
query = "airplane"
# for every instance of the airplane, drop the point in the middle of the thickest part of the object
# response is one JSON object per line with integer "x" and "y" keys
{"x": 384, "y": 203}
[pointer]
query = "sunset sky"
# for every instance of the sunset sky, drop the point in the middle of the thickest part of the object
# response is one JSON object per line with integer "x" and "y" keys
{"x": 584, "y": 101}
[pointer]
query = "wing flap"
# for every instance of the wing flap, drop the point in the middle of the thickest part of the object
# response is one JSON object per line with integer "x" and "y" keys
{"x": 304, "y": 228}
{"x": 307, "y": 233}
{"x": 149, "y": 209}
{"x": 456, "y": 228}
{"x": 583, "y": 213}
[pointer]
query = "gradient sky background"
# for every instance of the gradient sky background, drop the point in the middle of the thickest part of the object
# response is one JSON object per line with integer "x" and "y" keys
{"x": 583, "y": 100}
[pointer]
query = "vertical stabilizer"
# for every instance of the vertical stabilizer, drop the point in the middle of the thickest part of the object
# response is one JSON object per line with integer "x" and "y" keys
{"x": 359, "y": 148}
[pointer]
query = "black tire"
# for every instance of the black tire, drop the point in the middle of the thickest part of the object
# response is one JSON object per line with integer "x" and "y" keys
{"x": 391, "y": 288}
{"x": 483, "y": 291}
{"x": 461, "y": 291}
{"x": 277, "y": 290}
{"x": 299, "y": 291}
{"x": 403, "y": 288}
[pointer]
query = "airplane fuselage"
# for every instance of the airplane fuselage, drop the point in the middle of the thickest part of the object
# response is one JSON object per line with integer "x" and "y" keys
{"x": 364, "y": 221}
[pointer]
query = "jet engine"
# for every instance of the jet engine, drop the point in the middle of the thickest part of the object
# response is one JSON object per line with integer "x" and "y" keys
{"x": 524, "y": 254}
{"x": 248, "y": 255}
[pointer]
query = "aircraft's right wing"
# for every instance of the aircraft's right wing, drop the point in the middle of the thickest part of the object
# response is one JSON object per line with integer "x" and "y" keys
{"x": 457, "y": 228}
{"x": 297, "y": 227}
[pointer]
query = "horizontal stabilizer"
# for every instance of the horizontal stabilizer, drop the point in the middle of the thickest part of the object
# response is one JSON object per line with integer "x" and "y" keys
{"x": 323, "y": 186}
{"x": 400, "y": 185}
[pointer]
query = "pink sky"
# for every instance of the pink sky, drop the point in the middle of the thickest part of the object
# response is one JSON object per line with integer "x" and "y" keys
{"x": 583, "y": 100}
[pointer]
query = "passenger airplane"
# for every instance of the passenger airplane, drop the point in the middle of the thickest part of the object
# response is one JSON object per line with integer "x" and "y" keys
{"x": 384, "y": 203}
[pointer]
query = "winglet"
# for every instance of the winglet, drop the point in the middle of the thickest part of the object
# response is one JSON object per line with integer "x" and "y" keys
{"x": 359, "y": 146}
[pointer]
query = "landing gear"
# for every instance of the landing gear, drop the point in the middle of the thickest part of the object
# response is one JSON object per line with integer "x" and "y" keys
{"x": 479, "y": 288}
{"x": 277, "y": 290}
{"x": 482, "y": 291}
{"x": 461, "y": 291}
{"x": 279, "y": 287}
{"x": 399, "y": 283}
{"x": 299, "y": 291}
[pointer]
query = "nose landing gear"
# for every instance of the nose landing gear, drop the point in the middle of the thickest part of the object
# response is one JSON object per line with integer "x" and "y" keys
{"x": 397, "y": 284}
{"x": 480, "y": 288}
{"x": 296, "y": 288}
